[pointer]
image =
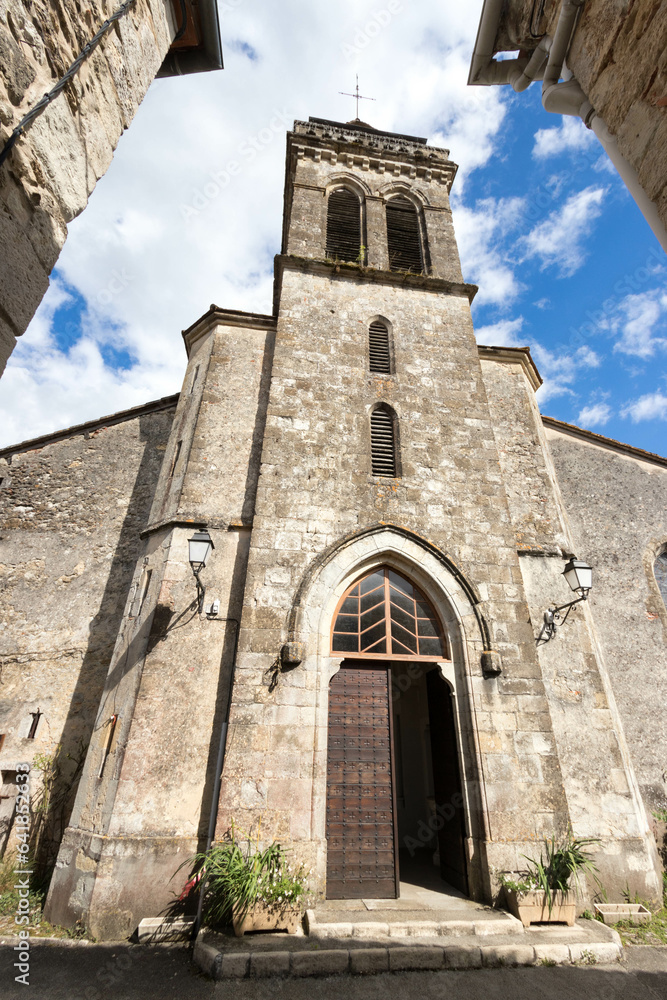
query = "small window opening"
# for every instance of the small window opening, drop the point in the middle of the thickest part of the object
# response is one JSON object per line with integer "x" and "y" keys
{"x": 173, "y": 464}
{"x": 343, "y": 226}
{"x": 32, "y": 732}
{"x": 143, "y": 589}
{"x": 194, "y": 379}
{"x": 403, "y": 239}
{"x": 660, "y": 570}
{"x": 383, "y": 442}
{"x": 378, "y": 348}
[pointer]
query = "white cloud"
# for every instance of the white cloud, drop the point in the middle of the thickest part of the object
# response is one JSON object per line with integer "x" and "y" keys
{"x": 596, "y": 415}
{"x": 559, "y": 371}
{"x": 557, "y": 241}
{"x": 570, "y": 135}
{"x": 640, "y": 319}
{"x": 147, "y": 269}
{"x": 652, "y": 406}
{"x": 501, "y": 334}
{"x": 481, "y": 235}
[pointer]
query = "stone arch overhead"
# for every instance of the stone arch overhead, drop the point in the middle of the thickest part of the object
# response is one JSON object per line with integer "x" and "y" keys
{"x": 342, "y": 179}
{"x": 353, "y": 552}
{"x": 395, "y": 188}
{"x": 377, "y": 318}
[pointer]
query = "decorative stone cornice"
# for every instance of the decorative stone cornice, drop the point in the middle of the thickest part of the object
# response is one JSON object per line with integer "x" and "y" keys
{"x": 513, "y": 356}
{"x": 225, "y": 317}
{"x": 360, "y": 273}
{"x": 363, "y": 147}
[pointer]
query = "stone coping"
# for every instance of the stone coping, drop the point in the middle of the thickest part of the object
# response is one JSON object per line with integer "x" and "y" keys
{"x": 279, "y": 955}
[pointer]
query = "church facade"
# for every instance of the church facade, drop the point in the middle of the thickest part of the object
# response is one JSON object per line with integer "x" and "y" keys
{"x": 391, "y": 517}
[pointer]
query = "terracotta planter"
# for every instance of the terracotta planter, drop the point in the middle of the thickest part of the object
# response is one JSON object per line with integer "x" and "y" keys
{"x": 269, "y": 917}
{"x": 533, "y": 907}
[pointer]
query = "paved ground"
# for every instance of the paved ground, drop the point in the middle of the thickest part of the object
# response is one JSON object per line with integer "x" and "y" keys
{"x": 124, "y": 972}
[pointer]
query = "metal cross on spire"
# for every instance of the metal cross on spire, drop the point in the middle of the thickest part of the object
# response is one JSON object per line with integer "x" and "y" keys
{"x": 358, "y": 97}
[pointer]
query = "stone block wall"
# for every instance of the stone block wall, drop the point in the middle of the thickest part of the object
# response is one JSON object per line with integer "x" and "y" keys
{"x": 599, "y": 779}
{"x": 144, "y": 802}
{"x": 71, "y": 509}
{"x": 316, "y": 489}
{"x": 618, "y": 514}
{"x": 53, "y": 168}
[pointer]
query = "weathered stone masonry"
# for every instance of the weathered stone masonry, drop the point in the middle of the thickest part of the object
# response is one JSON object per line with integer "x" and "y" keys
{"x": 269, "y": 447}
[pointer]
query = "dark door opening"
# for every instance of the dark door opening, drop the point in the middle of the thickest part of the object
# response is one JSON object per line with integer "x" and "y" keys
{"x": 429, "y": 803}
{"x": 393, "y": 782}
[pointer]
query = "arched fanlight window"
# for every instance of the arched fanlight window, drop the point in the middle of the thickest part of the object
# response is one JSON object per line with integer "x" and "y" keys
{"x": 384, "y": 615}
{"x": 660, "y": 570}
{"x": 383, "y": 442}
{"x": 344, "y": 225}
{"x": 378, "y": 348}
{"x": 403, "y": 237}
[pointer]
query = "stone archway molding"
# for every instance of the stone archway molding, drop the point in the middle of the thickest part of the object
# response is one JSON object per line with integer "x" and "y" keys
{"x": 365, "y": 547}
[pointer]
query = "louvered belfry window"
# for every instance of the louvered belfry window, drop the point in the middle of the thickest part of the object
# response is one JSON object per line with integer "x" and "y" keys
{"x": 344, "y": 226}
{"x": 378, "y": 348}
{"x": 383, "y": 442}
{"x": 403, "y": 239}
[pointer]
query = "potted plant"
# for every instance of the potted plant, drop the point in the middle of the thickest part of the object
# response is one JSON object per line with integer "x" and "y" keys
{"x": 546, "y": 890}
{"x": 252, "y": 888}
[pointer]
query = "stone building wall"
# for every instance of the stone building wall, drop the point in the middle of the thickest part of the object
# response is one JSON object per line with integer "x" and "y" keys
{"x": 72, "y": 508}
{"x": 169, "y": 676}
{"x": 618, "y": 54}
{"x": 53, "y": 168}
{"x": 599, "y": 779}
{"x": 617, "y": 508}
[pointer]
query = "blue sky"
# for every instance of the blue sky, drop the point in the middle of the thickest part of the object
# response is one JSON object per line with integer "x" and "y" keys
{"x": 563, "y": 258}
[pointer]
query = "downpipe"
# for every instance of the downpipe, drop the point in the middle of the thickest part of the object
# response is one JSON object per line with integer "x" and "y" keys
{"x": 567, "y": 98}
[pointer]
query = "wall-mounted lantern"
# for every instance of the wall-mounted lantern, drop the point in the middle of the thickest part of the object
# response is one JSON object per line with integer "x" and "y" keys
{"x": 199, "y": 547}
{"x": 579, "y": 575}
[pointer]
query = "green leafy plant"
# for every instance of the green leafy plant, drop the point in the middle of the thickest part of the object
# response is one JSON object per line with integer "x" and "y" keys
{"x": 237, "y": 873}
{"x": 559, "y": 863}
{"x": 660, "y": 815}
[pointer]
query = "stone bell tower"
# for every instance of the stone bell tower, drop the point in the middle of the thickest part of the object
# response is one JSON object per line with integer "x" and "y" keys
{"x": 359, "y": 429}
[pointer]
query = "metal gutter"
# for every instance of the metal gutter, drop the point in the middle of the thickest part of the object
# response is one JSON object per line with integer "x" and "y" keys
{"x": 202, "y": 57}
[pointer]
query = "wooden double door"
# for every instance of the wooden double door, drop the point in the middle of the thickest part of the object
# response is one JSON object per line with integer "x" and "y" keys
{"x": 361, "y": 824}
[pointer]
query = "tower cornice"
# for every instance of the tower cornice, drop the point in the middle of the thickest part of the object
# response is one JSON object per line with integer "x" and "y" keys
{"x": 370, "y": 275}
{"x": 370, "y": 149}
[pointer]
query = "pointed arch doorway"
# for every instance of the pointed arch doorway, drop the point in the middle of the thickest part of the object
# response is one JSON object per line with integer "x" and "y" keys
{"x": 394, "y": 793}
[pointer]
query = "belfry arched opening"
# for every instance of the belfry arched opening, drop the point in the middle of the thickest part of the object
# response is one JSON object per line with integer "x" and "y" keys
{"x": 395, "y": 808}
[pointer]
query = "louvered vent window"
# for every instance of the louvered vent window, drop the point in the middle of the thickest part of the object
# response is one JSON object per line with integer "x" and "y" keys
{"x": 378, "y": 348}
{"x": 404, "y": 243}
{"x": 344, "y": 226}
{"x": 383, "y": 444}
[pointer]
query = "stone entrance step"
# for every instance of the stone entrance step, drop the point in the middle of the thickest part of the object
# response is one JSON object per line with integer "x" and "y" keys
{"x": 377, "y": 924}
{"x": 222, "y": 956}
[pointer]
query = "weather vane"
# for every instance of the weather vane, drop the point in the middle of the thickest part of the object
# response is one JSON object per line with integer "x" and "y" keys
{"x": 358, "y": 97}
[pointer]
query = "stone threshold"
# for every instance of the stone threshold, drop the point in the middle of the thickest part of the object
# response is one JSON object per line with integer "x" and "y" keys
{"x": 222, "y": 956}
{"x": 380, "y": 924}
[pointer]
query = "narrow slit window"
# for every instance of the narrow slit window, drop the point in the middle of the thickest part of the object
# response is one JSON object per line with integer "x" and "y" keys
{"x": 344, "y": 226}
{"x": 378, "y": 348}
{"x": 660, "y": 570}
{"x": 194, "y": 380}
{"x": 403, "y": 238}
{"x": 383, "y": 442}
{"x": 32, "y": 732}
{"x": 176, "y": 457}
{"x": 138, "y": 602}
